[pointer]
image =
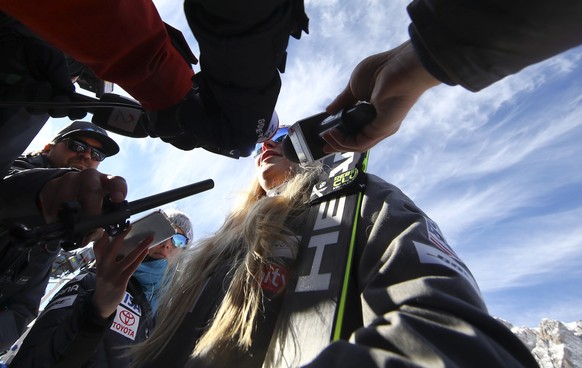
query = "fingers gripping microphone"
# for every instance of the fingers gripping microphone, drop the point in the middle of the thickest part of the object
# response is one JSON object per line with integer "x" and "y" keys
{"x": 304, "y": 143}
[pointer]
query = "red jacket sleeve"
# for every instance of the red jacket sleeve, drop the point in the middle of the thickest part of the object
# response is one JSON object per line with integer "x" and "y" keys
{"x": 122, "y": 41}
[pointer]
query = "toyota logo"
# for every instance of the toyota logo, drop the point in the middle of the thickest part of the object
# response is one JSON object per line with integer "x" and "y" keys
{"x": 127, "y": 318}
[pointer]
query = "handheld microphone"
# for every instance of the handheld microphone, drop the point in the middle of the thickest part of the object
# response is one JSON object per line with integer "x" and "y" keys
{"x": 304, "y": 144}
{"x": 117, "y": 114}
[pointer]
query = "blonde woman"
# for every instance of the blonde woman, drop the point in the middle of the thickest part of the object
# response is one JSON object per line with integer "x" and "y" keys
{"x": 405, "y": 310}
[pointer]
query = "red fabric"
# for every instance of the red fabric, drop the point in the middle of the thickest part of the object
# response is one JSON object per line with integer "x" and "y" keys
{"x": 122, "y": 41}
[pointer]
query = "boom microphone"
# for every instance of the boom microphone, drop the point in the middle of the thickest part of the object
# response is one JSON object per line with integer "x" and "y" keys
{"x": 304, "y": 143}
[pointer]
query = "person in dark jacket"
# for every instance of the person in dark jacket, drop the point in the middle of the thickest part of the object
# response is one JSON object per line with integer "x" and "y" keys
{"x": 471, "y": 43}
{"x": 31, "y": 71}
{"x": 25, "y": 268}
{"x": 410, "y": 302}
{"x": 82, "y": 326}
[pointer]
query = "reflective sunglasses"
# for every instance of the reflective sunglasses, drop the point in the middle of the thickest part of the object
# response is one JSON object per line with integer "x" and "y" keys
{"x": 179, "y": 240}
{"x": 80, "y": 146}
{"x": 280, "y": 134}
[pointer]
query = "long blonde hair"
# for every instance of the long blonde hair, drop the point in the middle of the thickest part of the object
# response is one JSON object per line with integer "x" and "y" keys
{"x": 247, "y": 235}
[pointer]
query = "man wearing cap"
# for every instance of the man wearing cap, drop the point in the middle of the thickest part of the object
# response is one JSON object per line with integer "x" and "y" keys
{"x": 81, "y": 145}
{"x": 36, "y": 184}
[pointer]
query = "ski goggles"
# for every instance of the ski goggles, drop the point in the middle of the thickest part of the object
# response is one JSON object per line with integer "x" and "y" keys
{"x": 79, "y": 147}
{"x": 278, "y": 137}
{"x": 179, "y": 240}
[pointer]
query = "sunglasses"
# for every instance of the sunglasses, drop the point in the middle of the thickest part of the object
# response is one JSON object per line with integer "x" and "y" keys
{"x": 278, "y": 137}
{"x": 80, "y": 146}
{"x": 179, "y": 240}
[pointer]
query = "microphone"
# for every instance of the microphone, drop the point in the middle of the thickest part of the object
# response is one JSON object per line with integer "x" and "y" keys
{"x": 111, "y": 112}
{"x": 304, "y": 144}
{"x": 117, "y": 114}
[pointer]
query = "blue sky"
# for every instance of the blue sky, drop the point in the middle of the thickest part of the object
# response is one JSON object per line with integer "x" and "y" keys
{"x": 500, "y": 171}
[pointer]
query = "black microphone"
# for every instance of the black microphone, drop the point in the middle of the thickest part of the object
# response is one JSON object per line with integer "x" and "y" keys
{"x": 304, "y": 144}
{"x": 118, "y": 114}
{"x": 111, "y": 112}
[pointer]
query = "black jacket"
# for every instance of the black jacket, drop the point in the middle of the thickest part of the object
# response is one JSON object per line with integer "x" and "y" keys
{"x": 70, "y": 333}
{"x": 24, "y": 266}
{"x": 413, "y": 303}
{"x": 17, "y": 126}
{"x": 475, "y": 43}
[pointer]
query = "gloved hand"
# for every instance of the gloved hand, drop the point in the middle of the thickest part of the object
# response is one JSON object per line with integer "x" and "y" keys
{"x": 230, "y": 125}
{"x": 231, "y": 105}
{"x": 33, "y": 71}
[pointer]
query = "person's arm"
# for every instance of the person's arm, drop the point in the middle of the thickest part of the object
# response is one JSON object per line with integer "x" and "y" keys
{"x": 473, "y": 43}
{"x": 40, "y": 193}
{"x": 477, "y": 43}
{"x": 36, "y": 195}
{"x": 68, "y": 319}
{"x": 21, "y": 308}
{"x": 124, "y": 42}
{"x": 420, "y": 304}
{"x": 75, "y": 321}
{"x": 19, "y": 191}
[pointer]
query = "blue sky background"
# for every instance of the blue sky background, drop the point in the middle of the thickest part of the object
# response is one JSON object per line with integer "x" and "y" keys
{"x": 500, "y": 171}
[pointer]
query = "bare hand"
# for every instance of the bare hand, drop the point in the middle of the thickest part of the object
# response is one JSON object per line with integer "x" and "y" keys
{"x": 113, "y": 275}
{"x": 392, "y": 81}
{"x": 89, "y": 187}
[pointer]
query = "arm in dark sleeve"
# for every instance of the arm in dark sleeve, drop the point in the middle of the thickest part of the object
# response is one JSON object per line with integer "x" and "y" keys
{"x": 18, "y": 128}
{"x": 420, "y": 305}
{"x": 20, "y": 309}
{"x": 68, "y": 330}
{"x": 142, "y": 60}
{"x": 24, "y": 274}
{"x": 475, "y": 43}
{"x": 20, "y": 189}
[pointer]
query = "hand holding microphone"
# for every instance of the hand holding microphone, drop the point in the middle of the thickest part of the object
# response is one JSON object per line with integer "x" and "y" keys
{"x": 304, "y": 144}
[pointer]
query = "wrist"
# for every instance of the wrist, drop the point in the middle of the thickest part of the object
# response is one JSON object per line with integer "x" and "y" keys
{"x": 434, "y": 73}
{"x": 98, "y": 310}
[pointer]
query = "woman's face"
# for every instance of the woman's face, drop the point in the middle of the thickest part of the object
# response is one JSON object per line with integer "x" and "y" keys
{"x": 272, "y": 168}
{"x": 166, "y": 249}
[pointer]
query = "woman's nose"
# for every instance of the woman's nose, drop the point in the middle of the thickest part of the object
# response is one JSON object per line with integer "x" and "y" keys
{"x": 269, "y": 144}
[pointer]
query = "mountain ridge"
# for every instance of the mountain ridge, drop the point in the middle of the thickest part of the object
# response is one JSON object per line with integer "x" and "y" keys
{"x": 554, "y": 344}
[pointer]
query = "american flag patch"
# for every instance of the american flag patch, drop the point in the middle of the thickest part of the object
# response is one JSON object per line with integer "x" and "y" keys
{"x": 437, "y": 238}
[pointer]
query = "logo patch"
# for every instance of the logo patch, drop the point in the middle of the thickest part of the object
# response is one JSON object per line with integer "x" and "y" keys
{"x": 429, "y": 255}
{"x": 62, "y": 302}
{"x": 124, "y": 119}
{"x": 127, "y": 318}
{"x": 437, "y": 238}
{"x": 68, "y": 289}
{"x": 263, "y": 134}
{"x": 126, "y": 322}
{"x": 128, "y": 303}
{"x": 345, "y": 178}
{"x": 275, "y": 278}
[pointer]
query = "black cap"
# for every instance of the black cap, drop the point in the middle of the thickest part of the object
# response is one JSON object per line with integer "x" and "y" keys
{"x": 90, "y": 130}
